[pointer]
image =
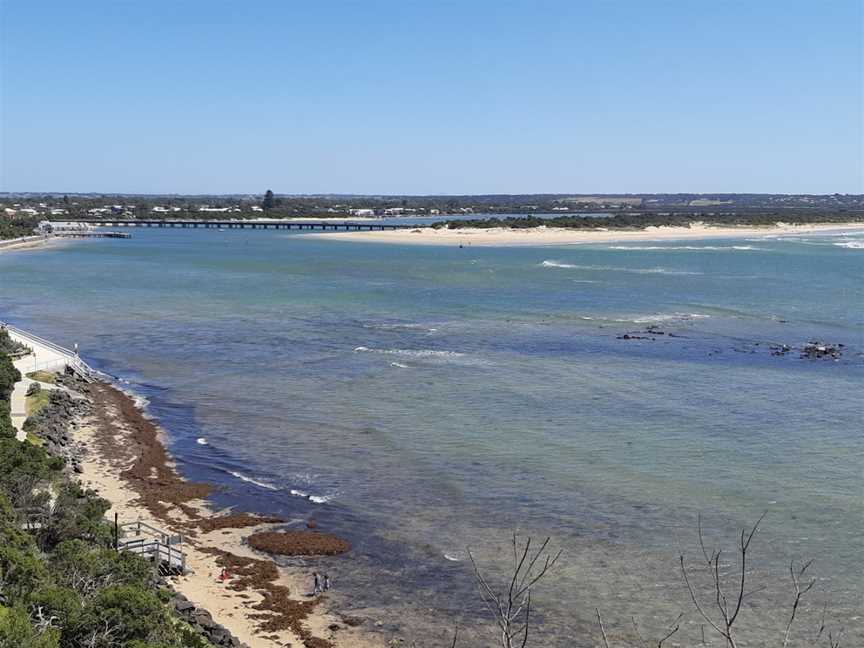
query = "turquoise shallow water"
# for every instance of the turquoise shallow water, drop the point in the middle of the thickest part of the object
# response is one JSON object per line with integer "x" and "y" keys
{"x": 423, "y": 399}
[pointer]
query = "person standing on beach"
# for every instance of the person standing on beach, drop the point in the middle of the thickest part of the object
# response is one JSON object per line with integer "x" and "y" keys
{"x": 316, "y": 584}
{"x": 326, "y": 582}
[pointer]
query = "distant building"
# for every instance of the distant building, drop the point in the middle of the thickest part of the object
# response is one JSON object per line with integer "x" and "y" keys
{"x": 361, "y": 212}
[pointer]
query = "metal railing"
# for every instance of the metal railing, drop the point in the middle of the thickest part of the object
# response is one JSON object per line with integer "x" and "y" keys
{"x": 70, "y": 358}
{"x": 148, "y": 541}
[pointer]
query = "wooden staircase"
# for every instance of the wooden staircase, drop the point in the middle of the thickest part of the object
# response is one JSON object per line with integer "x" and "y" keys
{"x": 152, "y": 543}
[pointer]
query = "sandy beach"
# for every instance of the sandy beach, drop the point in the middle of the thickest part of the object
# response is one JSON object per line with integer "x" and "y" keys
{"x": 550, "y": 236}
{"x": 262, "y": 604}
{"x": 26, "y": 243}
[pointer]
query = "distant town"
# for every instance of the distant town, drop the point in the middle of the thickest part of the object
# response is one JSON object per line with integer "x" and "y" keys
{"x": 55, "y": 206}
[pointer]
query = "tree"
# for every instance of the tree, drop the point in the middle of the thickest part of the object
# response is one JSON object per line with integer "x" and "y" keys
{"x": 511, "y": 607}
{"x": 268, "y": 202}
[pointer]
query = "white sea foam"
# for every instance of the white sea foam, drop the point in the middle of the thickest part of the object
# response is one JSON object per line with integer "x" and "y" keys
{"x": 668, "y": 317}
{"x": 412, "y": 353}
{"x": 685, "y": 247}
{"x": 400, "y": 327}
{"x": 558, "y": 264}
{"x": 398, "y": 365}
{"x": 246, "y": 478}
{"x": 852, "y": 245}
{"x": 201, "y": 441}
{"x": 315, "y": 499}
{"x": 452, "y": 557}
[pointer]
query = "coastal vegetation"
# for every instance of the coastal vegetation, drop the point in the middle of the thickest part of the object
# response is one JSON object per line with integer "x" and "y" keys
{"x": 642, "y": 220}
{"x": 62, "y": 584}
{"x": 43, "y": 376}
{"x": 17, "y": 228}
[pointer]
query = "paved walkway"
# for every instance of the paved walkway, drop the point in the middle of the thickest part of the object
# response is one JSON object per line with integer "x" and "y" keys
{"x": 43, "y": 357}
{"x": 18, "y": 401}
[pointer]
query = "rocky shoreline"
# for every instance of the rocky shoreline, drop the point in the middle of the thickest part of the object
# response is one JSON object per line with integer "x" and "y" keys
{"x": 96, "y": 428}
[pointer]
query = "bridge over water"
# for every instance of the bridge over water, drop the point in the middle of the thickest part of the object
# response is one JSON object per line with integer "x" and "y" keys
{"x": 250, "y": 224}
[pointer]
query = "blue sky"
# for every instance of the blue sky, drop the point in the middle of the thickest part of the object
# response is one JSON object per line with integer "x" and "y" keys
{"x": 431, "y": 97}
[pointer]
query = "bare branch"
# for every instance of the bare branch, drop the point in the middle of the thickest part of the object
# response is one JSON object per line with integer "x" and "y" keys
{"x": 602, "y": 628}
{"x": 799, "y": 593}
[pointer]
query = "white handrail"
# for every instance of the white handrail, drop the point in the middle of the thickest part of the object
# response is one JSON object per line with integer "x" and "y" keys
{"x": 72, "y": 358}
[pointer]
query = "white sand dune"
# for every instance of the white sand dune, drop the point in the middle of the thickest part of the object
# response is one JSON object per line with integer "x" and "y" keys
{"x": 551, "y": 236}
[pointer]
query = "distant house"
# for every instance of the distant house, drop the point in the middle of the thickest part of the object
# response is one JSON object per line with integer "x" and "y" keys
{"x": 361, "y": 212}
{"x": 257, "y": 208}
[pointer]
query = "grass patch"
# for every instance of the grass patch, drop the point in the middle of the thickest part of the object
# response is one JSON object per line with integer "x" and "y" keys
{"x": 37, "y": 401}
{"x": 35, "y": 440}
{"x": 43, "y": 376}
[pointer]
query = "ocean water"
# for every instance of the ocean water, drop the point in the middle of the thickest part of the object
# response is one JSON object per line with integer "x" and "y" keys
{"x": 422, "y": 400}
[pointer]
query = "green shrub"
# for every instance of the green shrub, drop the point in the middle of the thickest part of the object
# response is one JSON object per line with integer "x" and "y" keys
{"x": 118, "y": 616}
{"x": 21, "y": 572}
{"x": 6, "y": 429}
{"x": 78, "y": 565}
{"x": 24, "y": 467}
{"x": 16, "y": 631}
{"x": 9, "y": 375}
{"x": 62, "y": 603}
{"x": 77, "y": 514}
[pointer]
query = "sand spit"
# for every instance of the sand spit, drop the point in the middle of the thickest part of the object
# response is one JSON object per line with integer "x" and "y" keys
{"x": 551, "y": 236}
{"x": 262, "y": 604}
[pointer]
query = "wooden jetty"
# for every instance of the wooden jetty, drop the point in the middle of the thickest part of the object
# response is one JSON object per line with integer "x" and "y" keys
{"x": 123, "y": 235}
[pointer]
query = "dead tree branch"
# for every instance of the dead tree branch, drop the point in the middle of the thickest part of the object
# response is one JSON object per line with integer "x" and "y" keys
{"x": 512, "y": 608}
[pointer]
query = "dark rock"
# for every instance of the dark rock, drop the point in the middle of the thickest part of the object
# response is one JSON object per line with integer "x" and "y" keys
{"x": 183, "y": 605}
{"x": 202, "y": 618}
{"x": 821, "y": 350}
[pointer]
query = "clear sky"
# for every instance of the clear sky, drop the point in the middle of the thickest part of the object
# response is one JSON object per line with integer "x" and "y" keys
{"x": 415, "y": 97}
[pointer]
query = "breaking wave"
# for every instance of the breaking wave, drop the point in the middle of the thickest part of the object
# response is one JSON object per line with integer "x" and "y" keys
{"x": 260, "y": 484}
{"x": 686, "y": 247}
{"x": 411, "y": 353}
{"x": 852, "y": 245}
{"x": 666, "y": 271}
{"x": 315, "y": 499}
{"x": 669, "y": 317}
{"x": 400, "y": 327}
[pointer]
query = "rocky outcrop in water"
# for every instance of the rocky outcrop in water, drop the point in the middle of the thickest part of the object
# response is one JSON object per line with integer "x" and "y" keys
{"x": 821, "y": 351}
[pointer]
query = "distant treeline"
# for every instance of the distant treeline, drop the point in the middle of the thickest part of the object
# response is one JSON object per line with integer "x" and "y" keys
{"x": 274, "y": 205}
{"x": 10, "y": 229}
{"x": 642, "y": 220}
